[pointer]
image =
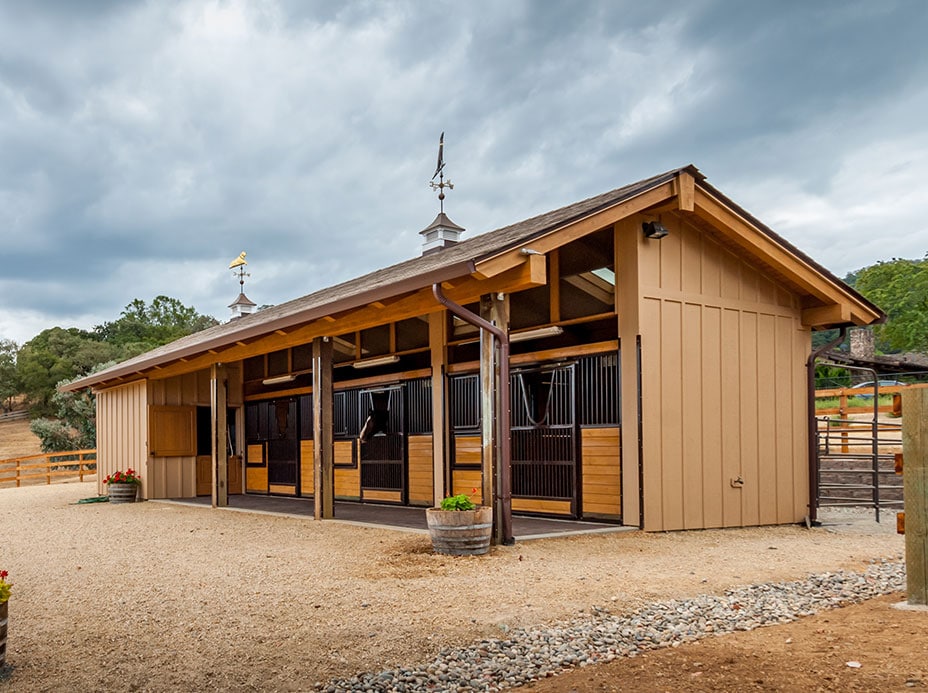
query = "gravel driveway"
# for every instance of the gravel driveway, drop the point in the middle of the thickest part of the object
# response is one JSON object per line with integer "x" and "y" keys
{"x": 155, "y": 596}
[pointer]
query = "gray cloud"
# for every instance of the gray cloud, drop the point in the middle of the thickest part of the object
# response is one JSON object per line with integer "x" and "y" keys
{"x": 145, "y": 145}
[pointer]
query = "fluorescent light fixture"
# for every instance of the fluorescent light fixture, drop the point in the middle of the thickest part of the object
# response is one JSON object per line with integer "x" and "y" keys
{"x": 378, "y": 361}
{"x": 279, "y": 380}
{"x": 550, "y": 331}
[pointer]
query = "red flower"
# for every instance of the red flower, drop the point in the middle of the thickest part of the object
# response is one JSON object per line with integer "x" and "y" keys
{"x": 3, "y": 574}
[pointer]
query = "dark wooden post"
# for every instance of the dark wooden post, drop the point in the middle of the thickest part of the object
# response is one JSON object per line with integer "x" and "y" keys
{"x": 219, "y": 412}
{"x": 915, "y": 489}
{"x": 323, "y": 446}
{"x": 438, "y": 341}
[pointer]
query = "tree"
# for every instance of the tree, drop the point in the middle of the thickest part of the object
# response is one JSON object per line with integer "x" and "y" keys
{"x": 142, "y": 327}
{"x": 75, "y": 425}
{"x": 54, "y": 355}
{"x": 900, "y": 288}
{"x": 10, "y": 385}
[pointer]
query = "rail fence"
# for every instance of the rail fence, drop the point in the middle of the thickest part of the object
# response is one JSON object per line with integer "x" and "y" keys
{"x": 47, "y": 468}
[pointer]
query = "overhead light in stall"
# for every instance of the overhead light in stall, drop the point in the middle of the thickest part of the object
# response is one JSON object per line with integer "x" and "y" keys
{"x": 550, "y": 331}
{"x": 279, "y": 380}
{"x": 378, "y": 361}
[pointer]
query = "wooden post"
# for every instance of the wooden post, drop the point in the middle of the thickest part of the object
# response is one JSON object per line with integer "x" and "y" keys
{"x": 438, "y": 340}
{"x": 323, "y": 445}
{"x": 915, "y": 489}
{"x": 495, "y": 309}
{"x": 219, "y": 411}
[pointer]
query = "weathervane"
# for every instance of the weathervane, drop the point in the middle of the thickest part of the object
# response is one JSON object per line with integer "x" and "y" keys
{"x": 440, "y": 172}
{"x": 240, "y": 263}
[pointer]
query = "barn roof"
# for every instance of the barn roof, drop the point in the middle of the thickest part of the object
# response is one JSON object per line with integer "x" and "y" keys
{"x": 462, "y": 259}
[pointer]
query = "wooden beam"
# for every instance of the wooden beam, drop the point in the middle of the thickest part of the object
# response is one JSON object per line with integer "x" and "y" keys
{"x": 570, "y": 232}
{"x": 219, "y": 403}
{"x": 438, "y": 340}
{"x": 323, "y": 447}
{"x": 757, "y": 243}
{"x": 685, "y": 186}
{"x": 833, "y": 314}
{"x": 529, "y": 273}
{"x": 915, "y": 492}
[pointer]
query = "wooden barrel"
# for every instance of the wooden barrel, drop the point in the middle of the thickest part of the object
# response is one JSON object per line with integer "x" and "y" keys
{"x": 122, "y": 493}
{"x": 4, "y": 617}
{"x": 460, "y": 532}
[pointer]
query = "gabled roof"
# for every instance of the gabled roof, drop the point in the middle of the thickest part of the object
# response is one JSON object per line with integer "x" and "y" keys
{"x": 460, "y": 260}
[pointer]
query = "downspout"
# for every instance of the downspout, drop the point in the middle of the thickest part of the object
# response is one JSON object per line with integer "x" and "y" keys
{"x": 503, "y": 501}
{"x": 813, "y": 423}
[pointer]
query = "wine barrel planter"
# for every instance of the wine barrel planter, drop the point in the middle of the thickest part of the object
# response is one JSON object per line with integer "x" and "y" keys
{"x": 4, "y": 618}
{"x": 460, "y": 532}
{"x": 122, "y": 493}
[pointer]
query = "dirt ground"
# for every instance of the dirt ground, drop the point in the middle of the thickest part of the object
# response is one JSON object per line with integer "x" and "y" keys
{"x": 156, "y": 597}
{"x": 17, "y": 439}
{"x": 864, "y": 647}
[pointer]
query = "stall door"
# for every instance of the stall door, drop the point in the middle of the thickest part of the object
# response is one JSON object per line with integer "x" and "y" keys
{"x": 283, "y": 447}
{"x": 544, "y": 441}
{"x": 383, "y": 446}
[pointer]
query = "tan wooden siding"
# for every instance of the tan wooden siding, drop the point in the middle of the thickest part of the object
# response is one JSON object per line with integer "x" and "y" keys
{"x": 601, "y": 472}
{"x": 467, "y": 481}
{"x": 204, "y": 475}
{"x": 347, "y": 480}
{"x": 467, "y": 450}
{"x": 723, "y": 350}
{"x": 255, "y": 477}
{"x": 122, "y": 433}
{"x": 534, "y": 505}
{"x": 420, "y": 470}
{"x": 307, "y": 468}
{"x": 282, "y": 489}
{"x": 385, "y": 496}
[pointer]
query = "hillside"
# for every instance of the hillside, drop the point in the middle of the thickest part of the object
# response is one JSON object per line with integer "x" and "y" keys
{"x": 16, "y": 439}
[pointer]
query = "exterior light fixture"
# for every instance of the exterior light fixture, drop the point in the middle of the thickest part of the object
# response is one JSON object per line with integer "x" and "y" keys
{"x": 654, "y": 229}
{"x": 279, "y": 380}
{"x": 550, "y": 331}
{"x": 378, "y": 361}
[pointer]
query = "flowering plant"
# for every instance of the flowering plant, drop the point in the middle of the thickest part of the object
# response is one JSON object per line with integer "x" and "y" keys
{"x": 130, "y": 476}
{"x": 461, "y": 501}
{"x": 4, "y": 587}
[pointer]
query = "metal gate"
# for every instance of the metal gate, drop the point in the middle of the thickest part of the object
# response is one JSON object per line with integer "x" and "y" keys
{"x": 383, "y": 441}
{"x": 855, "y": 463}
{"x": 544, "y": 435}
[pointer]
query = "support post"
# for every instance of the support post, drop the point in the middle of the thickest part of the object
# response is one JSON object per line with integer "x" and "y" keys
{"x": 438, "y": 340}
{"x": 219, "y": 424}
{"x": 323, "y": 446}
{"x": 915, "y": 490}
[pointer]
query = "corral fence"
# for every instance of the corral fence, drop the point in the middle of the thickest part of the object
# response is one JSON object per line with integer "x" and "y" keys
{"x": 856, "y": 446}
{"x": 47, "y": 468}
{"x": 14, "y": 415}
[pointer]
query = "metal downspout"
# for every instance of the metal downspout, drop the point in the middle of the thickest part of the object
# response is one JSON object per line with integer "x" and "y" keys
{"x": 813, "y": 423}
{"x": 503, "y": 500}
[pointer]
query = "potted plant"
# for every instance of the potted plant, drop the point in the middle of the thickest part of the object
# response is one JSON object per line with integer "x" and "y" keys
{"x": 459, "y": 527}
{"x": 122, "y": 487}
{"x": 4, "y": 614}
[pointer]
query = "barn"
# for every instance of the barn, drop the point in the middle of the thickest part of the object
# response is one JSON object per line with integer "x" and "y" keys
{"x": 638, "y": 357}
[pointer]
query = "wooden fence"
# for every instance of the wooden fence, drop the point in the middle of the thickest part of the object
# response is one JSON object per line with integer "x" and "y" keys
{"x": 14, "y": 415}
{"x": 845, "y": 393}
{"x": 48, "y": 467}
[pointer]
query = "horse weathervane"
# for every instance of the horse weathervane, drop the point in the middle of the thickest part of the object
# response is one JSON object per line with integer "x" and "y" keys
{"x": 440, "y": 173}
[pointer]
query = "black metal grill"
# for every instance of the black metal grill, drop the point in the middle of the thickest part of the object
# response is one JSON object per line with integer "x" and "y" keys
{"x": 598, "y": 390}
{"x": 543, "y": 463}
{"x": 382, "y": 462}
{"x": 464, "y": 400}
{"x": 419, "y": 406}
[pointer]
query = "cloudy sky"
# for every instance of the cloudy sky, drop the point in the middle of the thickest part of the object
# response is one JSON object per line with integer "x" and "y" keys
{"x": 144, "y": 145}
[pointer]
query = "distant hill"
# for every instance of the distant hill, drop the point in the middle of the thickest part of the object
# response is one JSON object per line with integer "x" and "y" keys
{"x": 16, "y": 439}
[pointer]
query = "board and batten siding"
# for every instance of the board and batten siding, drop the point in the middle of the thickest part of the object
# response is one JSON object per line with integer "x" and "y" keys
{"x": 176, "y": 476}
{"x": 122, "y": 433}
{"x": 723, "y": 388}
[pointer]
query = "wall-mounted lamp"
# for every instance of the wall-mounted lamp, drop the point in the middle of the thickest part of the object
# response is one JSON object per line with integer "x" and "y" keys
{"x": 279, "y": 380}
{"x": 550, "y": 331}
{"x": 654, "y": 229}
{"x": 378, "y": 361}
